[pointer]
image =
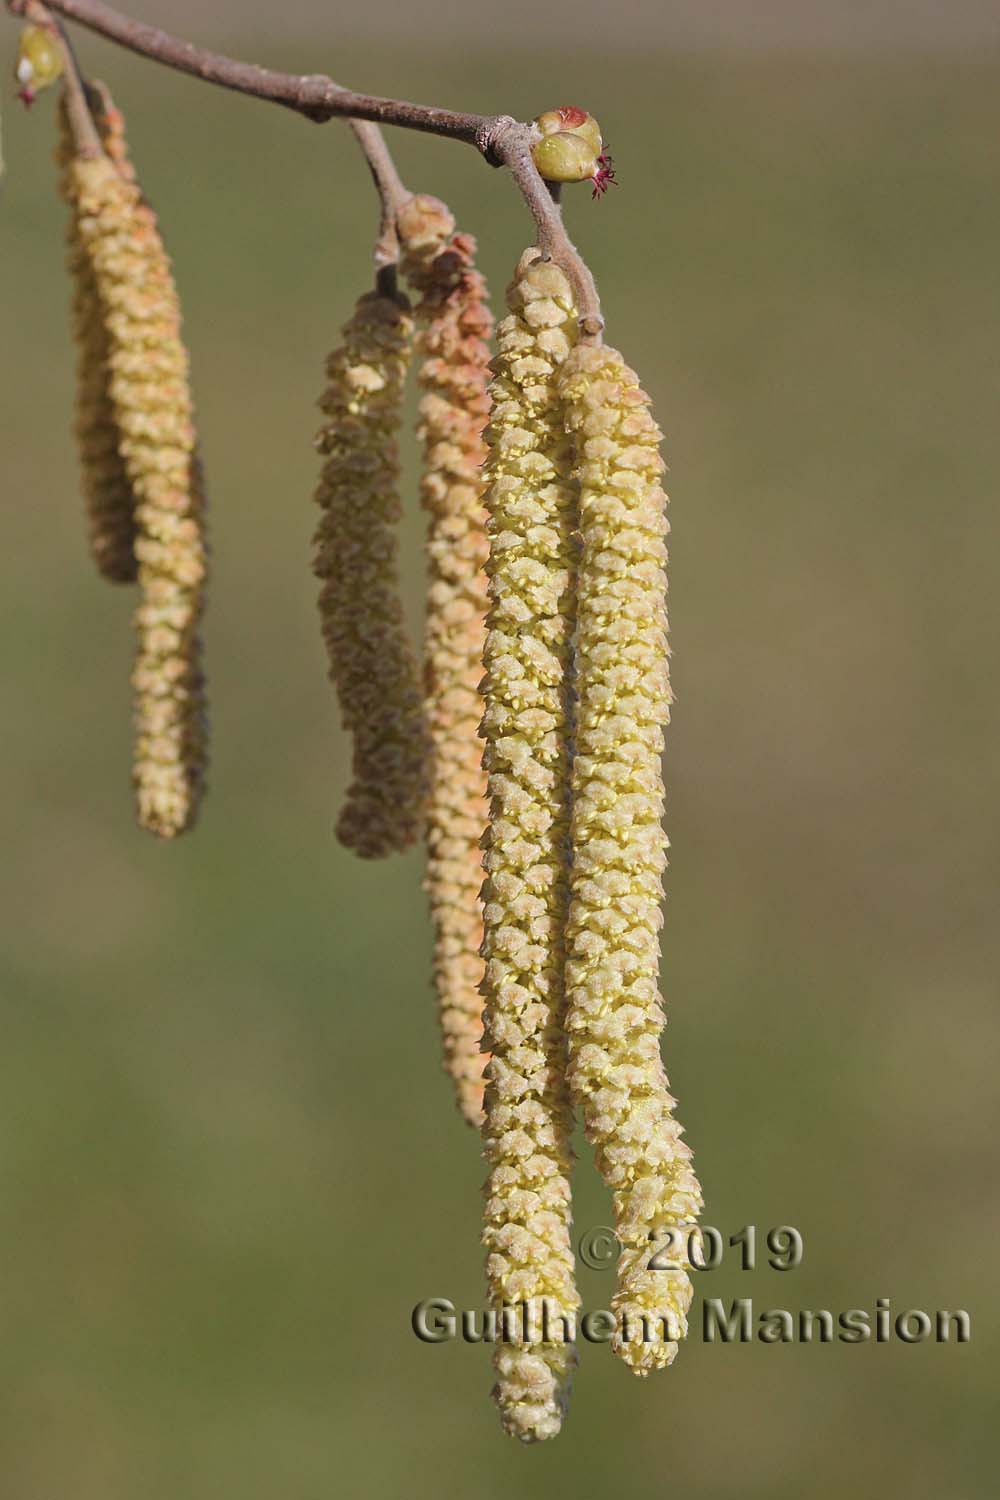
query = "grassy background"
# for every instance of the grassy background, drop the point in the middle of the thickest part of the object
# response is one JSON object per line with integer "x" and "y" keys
{"x": 228, "y": 1163}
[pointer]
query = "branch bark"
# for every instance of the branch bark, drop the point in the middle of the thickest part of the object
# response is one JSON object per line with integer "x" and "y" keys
{"x": 501, "y": 140}
{"x": 311, "y": 94}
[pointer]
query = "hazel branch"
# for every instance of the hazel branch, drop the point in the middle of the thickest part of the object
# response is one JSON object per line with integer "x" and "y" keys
{"x": 501, "y": 140}
{"x": 391, "y": 191}
{"x": 314, "y": 95}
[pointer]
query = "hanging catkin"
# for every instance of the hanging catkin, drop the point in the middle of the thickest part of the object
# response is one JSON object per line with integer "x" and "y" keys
{"x": 614, "y": 1014}
{"x": 531, "y": 503}
{"x": 107, "y": 493}
{"x": 361, "y": 609}
{"x": 454, "y": 324}
{"x": 148, "y": 385}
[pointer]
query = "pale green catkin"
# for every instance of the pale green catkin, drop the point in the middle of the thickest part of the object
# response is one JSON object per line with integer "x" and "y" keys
{"x": 531, "y": 503}
{"x": 614, "y": 1011}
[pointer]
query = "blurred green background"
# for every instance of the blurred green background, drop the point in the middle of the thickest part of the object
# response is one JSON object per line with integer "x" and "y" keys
{"x": 229, "y": 1164}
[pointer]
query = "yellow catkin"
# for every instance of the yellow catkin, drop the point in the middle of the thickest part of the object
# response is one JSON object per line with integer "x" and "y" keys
{"x": 615, "y": 1011}
{"x": 454, "y": 324}
{"x": 107, "y": 493}
{"x": 149, "y": 389}
{"x": 531, "y": 504}
{"x": 361, "y": 608}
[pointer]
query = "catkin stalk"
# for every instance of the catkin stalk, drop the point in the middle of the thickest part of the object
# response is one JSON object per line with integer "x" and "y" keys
{"x": 110, "y": 124}
{"x": 531, "y": 503}
{"x": 454, "y": 324}
{"x": 614, "y": 1012}
{"x": 361, "y": 609}
{"x": 150, "y": 396}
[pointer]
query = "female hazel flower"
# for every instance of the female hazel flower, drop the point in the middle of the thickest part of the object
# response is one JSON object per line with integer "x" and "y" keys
{"x": 39, "y": 62}
{"x": 360, "y": 606}
{"x": 569, "y": 148}
{"x": 614, "y": 1010}
{"x": 107, "y": 493}
{"x": 531, "y": 504}
{"x": 454, "y": 324}
{"x": 148, "y": 385}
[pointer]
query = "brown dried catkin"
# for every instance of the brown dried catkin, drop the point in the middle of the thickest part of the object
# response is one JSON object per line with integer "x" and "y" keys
{"x": 360, "y": 605}
{"x": 147, "y": 366}
{"x": 454, "y": 325}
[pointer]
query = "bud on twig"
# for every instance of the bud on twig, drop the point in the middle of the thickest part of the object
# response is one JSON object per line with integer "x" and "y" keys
{"x": 39, "y": 62}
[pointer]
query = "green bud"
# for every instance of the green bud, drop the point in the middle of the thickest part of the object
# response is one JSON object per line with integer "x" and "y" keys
{"x": 39, "y": 61}
{"x": 569, "y": 119}
{"x": 564, "y": 158}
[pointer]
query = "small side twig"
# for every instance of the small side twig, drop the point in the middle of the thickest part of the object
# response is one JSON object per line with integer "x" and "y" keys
{"x": 393, "y": 194}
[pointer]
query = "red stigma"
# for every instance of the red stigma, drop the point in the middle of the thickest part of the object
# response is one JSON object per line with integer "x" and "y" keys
{"x": 571, "y": 114}
{"x": 604, "y": 177}
{"x": 27, "y": 95}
